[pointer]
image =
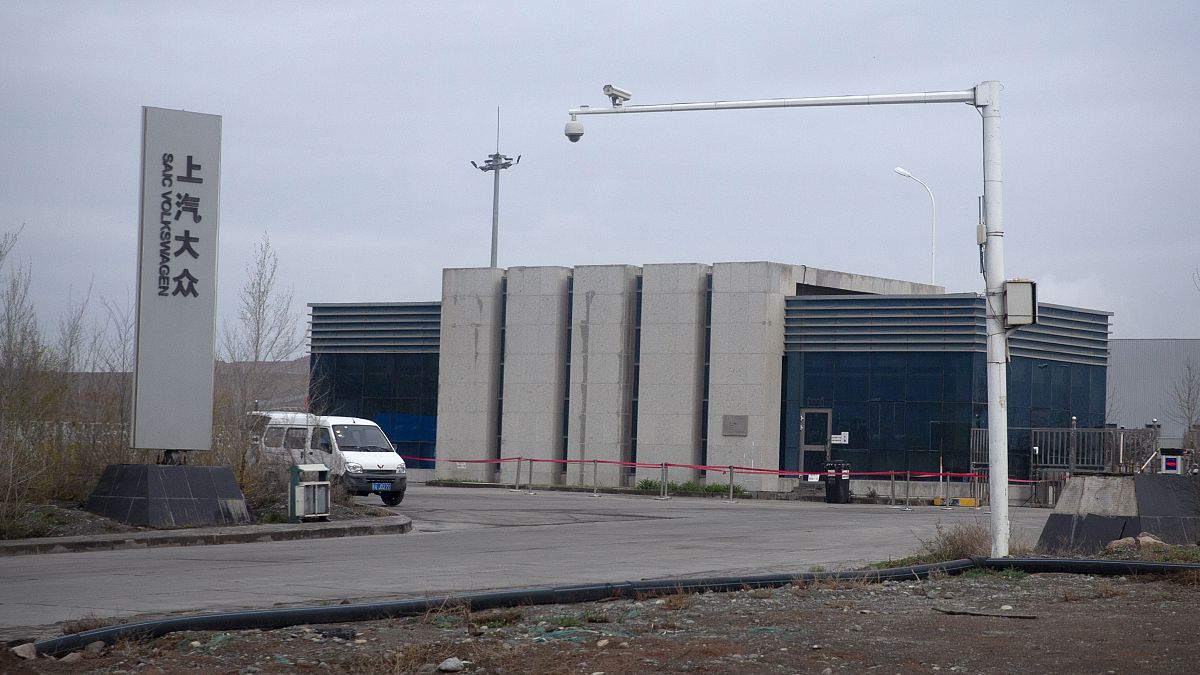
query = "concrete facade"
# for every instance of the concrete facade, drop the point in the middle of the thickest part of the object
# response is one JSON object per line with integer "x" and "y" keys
{"x": 603, "y": 317}
{"x": 468, "y": 368}
{"x": 535, "y": 370}
{"x": 593, "y": 368}
{"x": 671, "y": 367}
{"x": 745, "y": 362}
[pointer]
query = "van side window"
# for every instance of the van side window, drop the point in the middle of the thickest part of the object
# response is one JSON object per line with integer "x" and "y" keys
{"x": 294, "y": 440}
{"x": 273, "y": 438}
{"x": 320, "y": 440}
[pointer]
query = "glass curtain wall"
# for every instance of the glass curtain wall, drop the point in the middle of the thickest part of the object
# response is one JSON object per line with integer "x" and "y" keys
{"x": 396, "y": 391}
{"x": 905, "y": 411}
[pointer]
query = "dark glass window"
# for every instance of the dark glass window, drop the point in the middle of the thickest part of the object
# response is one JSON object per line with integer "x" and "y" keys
{"x": 295, "y": 438}
{"x": 1039, "y": 379}
{"x": 924, "y": 381}
{"x": 819, "y": 373}
{"x": 921, "y": 418}
{"x": 852, "y": 377}
{"x": 851, "y": 417}
{"x": 1080, "y": 388}
{"x": 1019, "y": 383}
{"x": 887, "y": 377}
{"x": 1060, "y": 386}
{"x": 956, "y": 377}
{"x": 273, "y": 438}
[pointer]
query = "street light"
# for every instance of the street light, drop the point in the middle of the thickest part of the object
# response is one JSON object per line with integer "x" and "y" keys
{"x": 985, "y": 98}
{"x": 496, "y": 163}
{"x": 933, "y": 229}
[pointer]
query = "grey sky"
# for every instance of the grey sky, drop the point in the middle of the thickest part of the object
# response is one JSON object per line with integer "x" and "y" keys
{"x": 348, "y": 128}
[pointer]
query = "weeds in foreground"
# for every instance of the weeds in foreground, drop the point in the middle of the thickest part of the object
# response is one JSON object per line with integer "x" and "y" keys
{"x": 829, "y": 585}
{"x": 690, "y": 486}
{"x": 953, "y": 542}
{"x": 88, "y": 622}
{"x": 1006, "y": 574}
{"x": 1185, "y": 578}
{"x": 497, "y": 618}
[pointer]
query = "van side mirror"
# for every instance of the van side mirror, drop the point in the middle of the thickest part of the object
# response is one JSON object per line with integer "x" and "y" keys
{"x": 325, "y": 446}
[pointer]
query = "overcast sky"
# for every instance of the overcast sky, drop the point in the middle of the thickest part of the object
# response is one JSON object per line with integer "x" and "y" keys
{"x": 349, "y": 128}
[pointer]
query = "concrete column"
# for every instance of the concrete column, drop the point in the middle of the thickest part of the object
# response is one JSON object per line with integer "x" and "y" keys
{"x": 468, "y": 368}
{"x": 603, "y": 317}
{"x": 535, "y": 360}
{"x": 671, "y": 373}
{"x": 745, "y": 371}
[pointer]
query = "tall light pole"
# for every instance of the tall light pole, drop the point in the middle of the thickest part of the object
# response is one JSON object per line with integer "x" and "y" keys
{"x": 496, "y": 163}
{"x": 933, "y": 228}
{"x": 985, "y": 98}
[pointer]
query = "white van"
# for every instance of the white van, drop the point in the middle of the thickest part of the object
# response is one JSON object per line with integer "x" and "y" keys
{"x": 356, "y": 450}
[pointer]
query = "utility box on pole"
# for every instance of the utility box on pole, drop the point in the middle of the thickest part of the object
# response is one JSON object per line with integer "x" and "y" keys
{"x": 1020, "y": 302}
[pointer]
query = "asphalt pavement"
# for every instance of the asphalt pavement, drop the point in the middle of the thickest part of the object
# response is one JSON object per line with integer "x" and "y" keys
{"x": 465, "y": 539}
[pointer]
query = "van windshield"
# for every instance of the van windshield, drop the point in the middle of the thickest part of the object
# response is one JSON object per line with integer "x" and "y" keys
{"x": 361, "y": 438}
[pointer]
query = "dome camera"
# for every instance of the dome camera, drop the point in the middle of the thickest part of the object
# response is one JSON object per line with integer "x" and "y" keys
{"x": 573, "y": 131}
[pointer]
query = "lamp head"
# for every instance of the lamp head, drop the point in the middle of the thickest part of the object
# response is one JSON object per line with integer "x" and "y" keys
{"x": 902, "y": 172}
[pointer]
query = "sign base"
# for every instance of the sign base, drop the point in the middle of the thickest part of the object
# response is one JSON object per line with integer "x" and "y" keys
{"x": 165, "y": 496}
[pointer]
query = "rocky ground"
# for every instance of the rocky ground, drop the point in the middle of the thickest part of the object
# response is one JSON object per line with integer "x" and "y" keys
{"x": 979, "y": 622}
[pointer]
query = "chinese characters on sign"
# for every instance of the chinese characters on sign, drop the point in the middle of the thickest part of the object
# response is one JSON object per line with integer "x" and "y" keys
{"x": 177, "y": 274}
{"x": 185, "y": 282}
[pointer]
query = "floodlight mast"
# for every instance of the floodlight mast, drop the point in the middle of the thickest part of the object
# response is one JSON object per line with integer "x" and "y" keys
{"x": 985, "y": 98}
{"x": 496, "y": 163}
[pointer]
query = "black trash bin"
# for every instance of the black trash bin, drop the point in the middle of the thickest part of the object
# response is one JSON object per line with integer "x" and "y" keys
{"x": 837, "y": 482}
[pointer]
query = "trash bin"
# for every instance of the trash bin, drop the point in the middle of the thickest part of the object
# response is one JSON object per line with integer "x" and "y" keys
{"x": 837, "y": 482}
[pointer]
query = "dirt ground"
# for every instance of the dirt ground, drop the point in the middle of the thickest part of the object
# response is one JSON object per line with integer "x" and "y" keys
{"x": 1015, "y": 623}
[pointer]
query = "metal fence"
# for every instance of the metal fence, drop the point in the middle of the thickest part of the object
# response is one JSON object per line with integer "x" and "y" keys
{"x": 1078, "y": 450}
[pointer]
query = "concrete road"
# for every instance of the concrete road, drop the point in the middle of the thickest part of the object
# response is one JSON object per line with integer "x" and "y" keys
{"x": 474, "y": 539}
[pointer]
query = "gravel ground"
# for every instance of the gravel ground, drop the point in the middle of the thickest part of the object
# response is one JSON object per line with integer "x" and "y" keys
{"x": 979, "y": 622}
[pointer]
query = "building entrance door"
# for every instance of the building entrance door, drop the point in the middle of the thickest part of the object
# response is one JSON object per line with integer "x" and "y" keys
{"x": 816, "y": 427}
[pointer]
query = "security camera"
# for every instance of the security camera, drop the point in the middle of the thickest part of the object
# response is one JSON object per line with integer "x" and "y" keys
{"x": 617, "y": 95}
{"x": 574, "y": 131}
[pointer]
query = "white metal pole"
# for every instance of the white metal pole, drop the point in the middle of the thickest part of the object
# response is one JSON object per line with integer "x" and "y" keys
{"x": 985, "y": 97}
{"x": 495, "y": 213}
{"x": 933, "y": 226}
{"x": 987, "y": 101}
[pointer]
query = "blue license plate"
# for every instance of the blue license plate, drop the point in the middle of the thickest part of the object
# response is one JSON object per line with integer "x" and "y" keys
{"x": 381, "y": 486}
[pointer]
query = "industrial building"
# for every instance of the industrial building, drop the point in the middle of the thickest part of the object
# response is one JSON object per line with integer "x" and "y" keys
{"x": 1156, "y": 382}
{"x": 752, "y": 364}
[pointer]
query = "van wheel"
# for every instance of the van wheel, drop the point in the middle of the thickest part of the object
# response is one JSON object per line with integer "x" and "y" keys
{"x": 391, "y": 498}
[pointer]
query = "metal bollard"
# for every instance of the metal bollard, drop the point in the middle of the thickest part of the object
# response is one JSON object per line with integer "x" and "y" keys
{"x": 907, "y": 490}
{"x": 662, "y": 492}
{"x": 942, "y": 486}
{"x": 517, "y": 477}
{"x": 730, "y": 500}
{"x": 595, "y": 480}
{"x": 530, "y": 483}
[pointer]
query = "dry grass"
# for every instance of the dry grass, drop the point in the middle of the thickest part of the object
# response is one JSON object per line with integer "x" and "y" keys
{"x": 1070, "y": 595}
{"x": 1109, "y": 589}
{"x": 961, "y": 540}
{"x": 497, "y": 617}
{"x": 678, "y": 601}
{"x": 829, "y": 585}
{"x": 88, "y": 622}
{"x": 1185, "y": 578}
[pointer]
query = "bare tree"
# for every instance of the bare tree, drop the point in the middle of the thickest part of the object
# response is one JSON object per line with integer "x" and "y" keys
{"x": 1185, "y": 403}
{"x": 266, "y": 332}
{"x": 30, "y": 392}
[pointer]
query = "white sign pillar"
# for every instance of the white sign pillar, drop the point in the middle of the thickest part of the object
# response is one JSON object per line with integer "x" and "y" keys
{"x": 177, "y": 281}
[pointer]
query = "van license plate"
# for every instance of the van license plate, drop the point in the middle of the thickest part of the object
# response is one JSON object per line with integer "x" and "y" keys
{"x": 381, "y": 486}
